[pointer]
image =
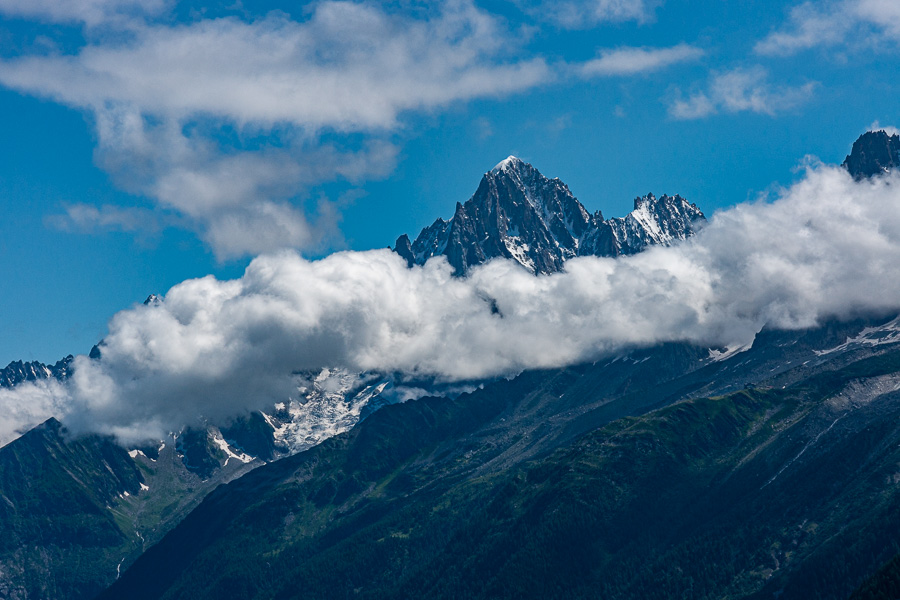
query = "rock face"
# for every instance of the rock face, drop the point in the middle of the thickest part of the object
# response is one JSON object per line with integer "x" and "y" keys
{"x": 653, "y": 222}
{"x": 873, "y": 153}
{"x": 519, "y": 214}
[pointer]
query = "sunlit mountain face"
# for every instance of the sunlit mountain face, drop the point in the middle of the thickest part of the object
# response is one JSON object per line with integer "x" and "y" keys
{"x": 275, "y": 327}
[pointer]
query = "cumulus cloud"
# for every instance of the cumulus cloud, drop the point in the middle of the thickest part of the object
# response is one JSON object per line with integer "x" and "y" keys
{"x": 827, "y": 247}
{"x": 855, "y": 23}
{"x": 227, "y": 121}
{"x": 740, "y": 90}
{"x": 629, "y": 61}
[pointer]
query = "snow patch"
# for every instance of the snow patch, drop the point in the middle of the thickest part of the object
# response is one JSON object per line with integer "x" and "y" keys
{"x": 331, "y": 403}
{"x": 519, "y": 251}
{"x": 219, "y": 441}
{"x": 889, "y": 333}
{"x": 716, "y": 355}
{"x": 505, "y": 164}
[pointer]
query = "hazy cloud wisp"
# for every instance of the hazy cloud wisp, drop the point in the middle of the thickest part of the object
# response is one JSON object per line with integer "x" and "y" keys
{"x": 583, "y": 14}
{"x": 740, "y": 90}
{"x": 629, "y": 61}
{"x": 851, "y": 23}
{"x": 89, "y": 12}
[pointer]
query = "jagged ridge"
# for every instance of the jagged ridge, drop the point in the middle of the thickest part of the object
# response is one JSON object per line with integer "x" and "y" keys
{"x": 873, "y": 153}
{"x": 18, "y": 371}
{"x": 518, "y": 213}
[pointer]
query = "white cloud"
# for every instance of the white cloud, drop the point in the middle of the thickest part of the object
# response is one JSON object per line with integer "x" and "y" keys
{"x": 888, "y": 129}
{"x": 181, "y": 110}
{"x": 629, "y": 61}
{"x": 237, "y": 200}
{"x": 854, "y": 23}
{"x": 260, "y": 227}
{"x": 740, "y": 90}
{"x": 350, "y": 67}
{"x": 811, "y": 25}
{"x": 583, "y": 14}
{"x": 29, "y": 404}
{"x": 827, "y": 247}
{"x": 881, "y": 13}
{"x": 90, "y": 12}
{"x": 89, "y": 218}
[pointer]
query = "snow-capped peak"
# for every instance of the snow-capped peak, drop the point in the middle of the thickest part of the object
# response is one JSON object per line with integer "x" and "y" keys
{"x": 153, "y": 300}
{"x": 510, "y": 162}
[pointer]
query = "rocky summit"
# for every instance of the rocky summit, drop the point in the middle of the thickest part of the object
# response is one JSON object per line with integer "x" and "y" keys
{"x": 518, "y": 213}
{"x": 18, "y": 371}
{"x": 873, "y": 153}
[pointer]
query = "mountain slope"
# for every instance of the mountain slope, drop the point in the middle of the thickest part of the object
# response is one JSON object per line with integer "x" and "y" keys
{"x": 519, "y": 214}
{"x": 883, "y": 585}
{"x": 538, "y": 487}
{"x": 60, "y": 540}
{"x": 75, "y": 512}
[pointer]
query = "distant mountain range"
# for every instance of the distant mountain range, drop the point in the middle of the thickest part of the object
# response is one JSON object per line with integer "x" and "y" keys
{"x": 667, "y": 472}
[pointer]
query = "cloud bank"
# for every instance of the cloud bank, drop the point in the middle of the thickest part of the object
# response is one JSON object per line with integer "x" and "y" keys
{"x": 826, "y": 247}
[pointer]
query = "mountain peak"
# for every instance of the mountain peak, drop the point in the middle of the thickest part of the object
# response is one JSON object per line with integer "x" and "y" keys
{"x": 152, "y": 300}
{"x": 509, "y": 163}
{"x": 517, "y": 213}
{"x": 644, "y": 200}
{"x": 873, "y": 153}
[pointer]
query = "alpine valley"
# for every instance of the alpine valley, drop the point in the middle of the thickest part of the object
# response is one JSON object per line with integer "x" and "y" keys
{"x": 672, "y": 471}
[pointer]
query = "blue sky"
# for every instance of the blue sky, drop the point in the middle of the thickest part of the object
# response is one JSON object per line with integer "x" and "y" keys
{"x": 145, "y": 143}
